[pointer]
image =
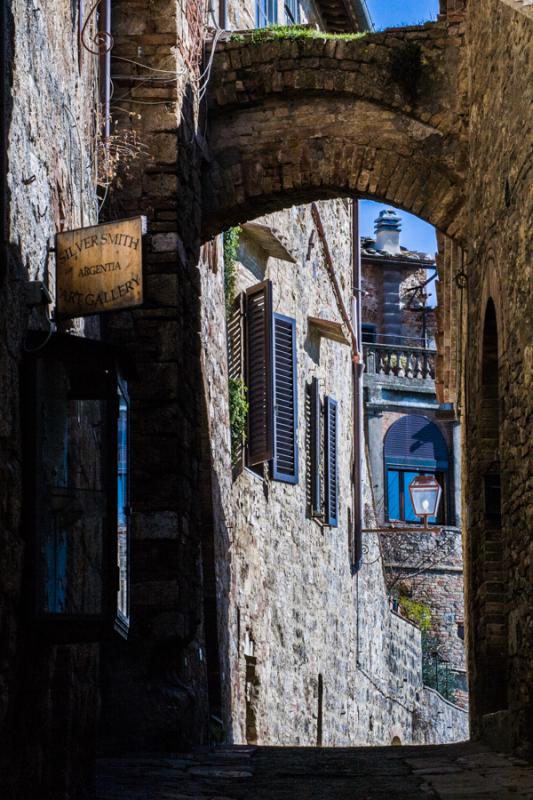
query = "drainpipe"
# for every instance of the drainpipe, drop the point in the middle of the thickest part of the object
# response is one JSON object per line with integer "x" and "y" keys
{"x": 357, "y": 380}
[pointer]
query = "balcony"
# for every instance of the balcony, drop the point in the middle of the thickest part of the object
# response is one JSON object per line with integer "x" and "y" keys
{"x": 399, "y": 361}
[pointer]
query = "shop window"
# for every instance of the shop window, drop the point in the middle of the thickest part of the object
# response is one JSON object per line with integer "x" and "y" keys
{"x": 76, "y": 488}
{"x": 123, "y": 503}
{"x": 413, "y": 446}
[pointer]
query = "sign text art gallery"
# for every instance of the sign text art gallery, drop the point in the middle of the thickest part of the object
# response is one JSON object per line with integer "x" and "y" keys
{"x": 100, "y": 268}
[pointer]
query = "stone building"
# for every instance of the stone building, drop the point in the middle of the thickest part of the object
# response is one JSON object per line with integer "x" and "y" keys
{"x": 303, "y": 665}
{"x": 261, "y": 125}
{"x": 410, "y": 433}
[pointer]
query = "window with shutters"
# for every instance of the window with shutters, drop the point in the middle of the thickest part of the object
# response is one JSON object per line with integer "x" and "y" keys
{"x": 315, "y": 450}
{"x": 413, "y": 446}
{"x": 237, "y": 386}
{"x": 323, "y": 457}
{"x": 259, "y": 373}
{"x": 331, "y": 465}
{"x": 262, "y": 346}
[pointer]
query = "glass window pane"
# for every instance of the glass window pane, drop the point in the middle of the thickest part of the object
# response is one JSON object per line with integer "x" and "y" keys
{"x": 122, "y": 505}
{"x": 266, "y": 13}
{"x": 410, "y": 515}
{"x": 393, "y": 493}
{"x": 292, "y": 12}
{"x": 71, "y": 502}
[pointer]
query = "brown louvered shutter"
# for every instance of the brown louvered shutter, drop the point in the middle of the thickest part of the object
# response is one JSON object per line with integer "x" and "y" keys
{"x": 259, "y": 372}
{"x": 236, "y": 339}
{"x": 235, "y": 333}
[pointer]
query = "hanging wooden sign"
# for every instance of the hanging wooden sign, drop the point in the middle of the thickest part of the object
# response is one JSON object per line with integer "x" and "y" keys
{"x": 99, "y": 268}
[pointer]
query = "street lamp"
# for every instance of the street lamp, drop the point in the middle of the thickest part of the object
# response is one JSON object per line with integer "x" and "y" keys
{"x": 426, "y": 493}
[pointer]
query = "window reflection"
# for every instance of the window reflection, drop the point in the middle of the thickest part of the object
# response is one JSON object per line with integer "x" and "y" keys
{"x": 72, "y": 506}
{"x": 122, "y": 503}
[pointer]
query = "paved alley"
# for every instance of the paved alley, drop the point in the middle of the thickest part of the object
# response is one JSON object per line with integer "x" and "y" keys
{"x": 448, "y": 772}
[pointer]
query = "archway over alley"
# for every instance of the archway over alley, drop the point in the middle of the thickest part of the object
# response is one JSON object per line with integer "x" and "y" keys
{"x": 302, "y": 119}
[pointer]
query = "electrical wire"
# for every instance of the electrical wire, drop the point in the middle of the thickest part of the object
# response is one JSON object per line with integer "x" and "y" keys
{"x": 47, "y": 338}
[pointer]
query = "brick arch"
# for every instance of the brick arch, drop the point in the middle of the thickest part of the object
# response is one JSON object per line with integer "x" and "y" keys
{"x": 295, "y": 121}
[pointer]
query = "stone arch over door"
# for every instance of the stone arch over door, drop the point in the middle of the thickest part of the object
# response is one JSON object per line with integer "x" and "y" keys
{"x": 291, "y": 121}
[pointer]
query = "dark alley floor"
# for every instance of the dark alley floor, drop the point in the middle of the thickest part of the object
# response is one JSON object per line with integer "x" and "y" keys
{"x": 448, "y": 772}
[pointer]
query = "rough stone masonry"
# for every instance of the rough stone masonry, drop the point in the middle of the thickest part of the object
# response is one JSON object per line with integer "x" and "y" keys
{"x": 464, "y": 165}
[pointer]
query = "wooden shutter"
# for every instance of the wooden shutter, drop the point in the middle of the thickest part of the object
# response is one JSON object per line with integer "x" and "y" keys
{"x": 331, "y": 466}
{"x": 235, "y": 334}
{"x": 285, "y": 461}
{"x": 316, "y": 447}
{"x": 236, "y": 339}
{"x": 259, "y": 372}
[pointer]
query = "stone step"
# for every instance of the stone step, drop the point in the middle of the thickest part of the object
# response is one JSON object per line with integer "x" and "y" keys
{"x": 448, "y": 772}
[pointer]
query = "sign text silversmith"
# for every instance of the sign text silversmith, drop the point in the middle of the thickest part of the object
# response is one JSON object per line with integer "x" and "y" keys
{"x": 100, "y": 268}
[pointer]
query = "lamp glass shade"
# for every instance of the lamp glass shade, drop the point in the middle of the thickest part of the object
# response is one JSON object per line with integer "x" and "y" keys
{"x": 426, "y": 493}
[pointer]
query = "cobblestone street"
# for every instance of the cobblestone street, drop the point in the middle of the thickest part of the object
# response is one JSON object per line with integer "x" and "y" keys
{"x": 449, "y": 772}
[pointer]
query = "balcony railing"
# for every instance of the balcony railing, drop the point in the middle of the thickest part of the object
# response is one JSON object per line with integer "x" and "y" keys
{"x": 416, "y": 363}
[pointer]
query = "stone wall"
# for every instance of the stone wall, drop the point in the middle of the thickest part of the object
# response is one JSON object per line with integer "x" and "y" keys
{"x": 441, "y": 718}
{"x": 373, "y": 299}
{"x": 299, "y": 630}
{"x": 156, "y": 685}
{"x": 500, "y": 209}
{"x": 48, "y": 694}
{"x": 429, "y": 567}
{"x": 155, "y": 688}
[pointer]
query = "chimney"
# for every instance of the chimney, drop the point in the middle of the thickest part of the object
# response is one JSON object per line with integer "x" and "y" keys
{"x": 387, "y": 227}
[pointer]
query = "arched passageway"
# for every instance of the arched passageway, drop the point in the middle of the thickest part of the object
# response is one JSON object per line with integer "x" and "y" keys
{"x": 488, "y": 628}
{"x": 300, "y": 120}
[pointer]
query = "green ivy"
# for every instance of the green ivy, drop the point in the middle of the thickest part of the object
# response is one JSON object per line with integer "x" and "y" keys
{"x": 231, "y": 245}
{"x": 419, "y": 613}
{"x": 238, "y": 413}
{"x": 291, "y": 32}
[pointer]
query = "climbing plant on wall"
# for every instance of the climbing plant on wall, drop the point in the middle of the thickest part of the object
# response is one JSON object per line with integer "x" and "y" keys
{"x": 231, "y": 245}
{"x": 238, "y": 413}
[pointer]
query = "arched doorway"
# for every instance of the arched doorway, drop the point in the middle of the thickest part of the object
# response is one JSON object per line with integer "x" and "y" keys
{"x": 488, "y": 630}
